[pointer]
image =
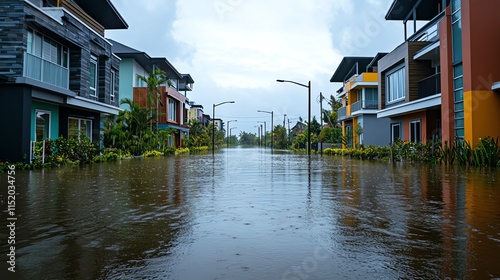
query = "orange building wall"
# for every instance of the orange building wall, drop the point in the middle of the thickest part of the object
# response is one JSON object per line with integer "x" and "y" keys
{"x": 481, "y": 68}
{"x": 423, "y": 125}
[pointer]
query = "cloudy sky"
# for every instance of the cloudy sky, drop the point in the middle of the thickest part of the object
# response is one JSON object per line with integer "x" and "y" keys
{"x": 236, "y": 49}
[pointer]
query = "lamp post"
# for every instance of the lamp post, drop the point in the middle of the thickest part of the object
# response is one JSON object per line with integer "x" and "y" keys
{"x": 265, "y": 134}
{"x": 272, "y": 126}
{"x": 213, "y": 124}
{"x": 258, "y": 133}
{"x": 229, "y": 131}
{"x": 308, "y": 86}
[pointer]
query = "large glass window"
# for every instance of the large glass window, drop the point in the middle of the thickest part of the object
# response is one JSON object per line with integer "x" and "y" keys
{"x": 371, "y": 98}
{"x": 395, "y": 132}
{"x": 93, "y": 76}
{"x": 79, "y": 128}
{"x": 42, "y": 125}
{"x": 396, "y": 85}
{"x": 44, "y": 47}
{"x": 172, "y": 110}
{"x": 415, "y": 132}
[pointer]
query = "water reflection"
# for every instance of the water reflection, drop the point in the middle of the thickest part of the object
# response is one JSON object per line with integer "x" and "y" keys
{"x": 252, "y": 214}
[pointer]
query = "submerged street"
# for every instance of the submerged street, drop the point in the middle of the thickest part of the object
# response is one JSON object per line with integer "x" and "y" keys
{"x": 253, "y": 214}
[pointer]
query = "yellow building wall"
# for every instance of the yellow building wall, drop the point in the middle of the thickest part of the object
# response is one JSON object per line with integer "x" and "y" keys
{"x": 481, "y": 115}
{"x": 370, "y": 77}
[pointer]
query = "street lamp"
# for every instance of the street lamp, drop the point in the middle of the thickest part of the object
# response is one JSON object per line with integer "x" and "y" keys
{"x": 265, "y": 134}
{"x": 308, "y": 112}
{"x": 229, "y": 131}
{"x": 213, "y": 124}
{"x": 272, "y": 126}
{"x": 258, "y": 132}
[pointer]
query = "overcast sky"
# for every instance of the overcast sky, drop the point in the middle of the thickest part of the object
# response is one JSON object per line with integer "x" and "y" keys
{"x": 236, "y": 49}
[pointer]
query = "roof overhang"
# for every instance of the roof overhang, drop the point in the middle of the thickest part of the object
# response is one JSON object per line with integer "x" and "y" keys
{"x": 429, "y": 52}
{"x": 403, "y": 9}
{"x": 364, "y": 84}
{"x": 410, "y": 107}
{"x": 104, "y": 12}
{"x": 495, "y": 86}
{"x": 165, "y": 65}
{"x": 349, "y": 66}
{"x": 88, "y": 104}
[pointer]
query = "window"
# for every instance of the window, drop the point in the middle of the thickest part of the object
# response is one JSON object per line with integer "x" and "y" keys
{"x": 415, "y": 132}
{"x": 79, "y": 128}
{"x": 371, "y": 98}
{"x": 42, "y": 125}
{"x": 395, "y": 85}
{"x": 93, "y": 76}
{"x": 112, "y": 86}
{"x": 172, "y": 110}
{"x": 395, "y": 132}
{"x": 49, "y": 50}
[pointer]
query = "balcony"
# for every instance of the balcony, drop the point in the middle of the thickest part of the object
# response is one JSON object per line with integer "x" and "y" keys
{"x": 343, "y": 113}
{"x": 429, "y": 86}
{"x": 45, "y": 71}
{"x": 364, "y": 105}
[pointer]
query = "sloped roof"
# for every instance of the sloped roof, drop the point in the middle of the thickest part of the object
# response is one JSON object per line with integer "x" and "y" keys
{"x": 425, "y": 9}
{"x": 104, "y": 12}
{"x": 347, "y": 68}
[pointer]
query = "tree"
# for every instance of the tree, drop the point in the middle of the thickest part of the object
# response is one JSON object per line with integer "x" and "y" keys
{"x": 154, "y": 80}
{"x": 280, "y": 137}
{"x": 315, "y": 127}
{"x": 331, "y": 135}
{"x": 248, "y": 139}
{"x": 331, "y": 116}
{"x": 198, "y": 134}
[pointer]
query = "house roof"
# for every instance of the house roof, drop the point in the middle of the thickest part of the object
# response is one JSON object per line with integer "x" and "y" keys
{"x": 104, "y": 12}
{"x": 374, "y": 62}
{"x": 124, "y": 51}
{"x": 402, "y": 9}
{"x": 347, "y": 68}
{"x": 187, "y": 78}
{"x": 145, "y": 60}
{"x": 166, "y": 66}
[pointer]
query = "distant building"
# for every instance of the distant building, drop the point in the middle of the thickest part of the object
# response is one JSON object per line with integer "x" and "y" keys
{"x": 299, "y": 128}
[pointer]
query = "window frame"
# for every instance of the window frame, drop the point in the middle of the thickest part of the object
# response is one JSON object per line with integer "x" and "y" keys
{"x": 93, "y": 88}
{"x": 112, "y": 85}
{"x": 413, "y": 129}
{"x": 393, "y": 125}
{"x": 392, "y": 89}
{"x": 79, "y": 129}
{"x": 49, "y": 123}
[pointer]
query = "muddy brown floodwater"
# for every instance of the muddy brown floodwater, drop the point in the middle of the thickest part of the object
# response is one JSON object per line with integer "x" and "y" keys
{"x": 251, "y": 214}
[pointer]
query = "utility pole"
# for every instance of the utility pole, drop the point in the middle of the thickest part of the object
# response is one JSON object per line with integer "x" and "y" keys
{"x": 321, "y": 120}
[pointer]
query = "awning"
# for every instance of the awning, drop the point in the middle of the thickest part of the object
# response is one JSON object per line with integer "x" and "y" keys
{"x": 165, "y": 126}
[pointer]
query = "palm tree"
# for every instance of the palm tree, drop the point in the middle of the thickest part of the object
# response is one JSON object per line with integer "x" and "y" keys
{"x": 154, "y": 81}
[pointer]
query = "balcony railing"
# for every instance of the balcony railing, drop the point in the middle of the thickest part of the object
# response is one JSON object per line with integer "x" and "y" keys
{"x": 364, "y": 104}
{"x": 45, "y": 71}
{"x": 341, "y": 113}
{"x": 429, "y": 86}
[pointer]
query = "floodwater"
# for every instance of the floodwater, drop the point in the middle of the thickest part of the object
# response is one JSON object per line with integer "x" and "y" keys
{"x": 250, "y": 214}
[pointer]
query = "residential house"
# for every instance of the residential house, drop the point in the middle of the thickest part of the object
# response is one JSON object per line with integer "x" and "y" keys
{"x": 219, "y": 124}
{"x": 206, "y": 120}
{"x": 173, "y": 108}
{"x": 440, "y": 83}
{"x": 195, "y": 112}
{"x": 58, "y": 75}
{"x": 359, "y": 97}
{"x": 299, "y": 128}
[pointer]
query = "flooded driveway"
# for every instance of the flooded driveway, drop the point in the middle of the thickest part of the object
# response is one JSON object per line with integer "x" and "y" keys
{"x": 250, "y": 214}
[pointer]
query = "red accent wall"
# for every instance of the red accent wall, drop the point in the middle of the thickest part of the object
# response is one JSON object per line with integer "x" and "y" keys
{"x": 447, "y": 99}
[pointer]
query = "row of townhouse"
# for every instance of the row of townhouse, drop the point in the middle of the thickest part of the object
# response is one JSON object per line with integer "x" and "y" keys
{"x": 440, "y": 83}
{"x": 59, "y": 75}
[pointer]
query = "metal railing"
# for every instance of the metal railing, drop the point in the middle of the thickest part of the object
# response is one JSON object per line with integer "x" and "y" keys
{"x": 429, "y": 86}
{"x": 45, "y": 71}
{"x": 341, "y": 113}
{"x": 364, "y": 104}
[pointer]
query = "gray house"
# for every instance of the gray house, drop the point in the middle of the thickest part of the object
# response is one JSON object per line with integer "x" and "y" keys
{"x": 58, "y": 75}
